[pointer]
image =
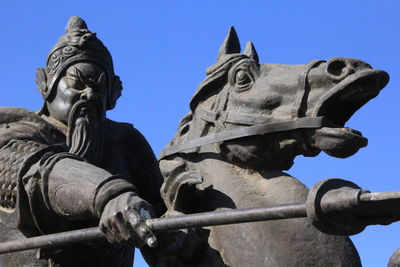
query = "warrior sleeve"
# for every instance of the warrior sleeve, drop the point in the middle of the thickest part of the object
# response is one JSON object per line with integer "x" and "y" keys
{"x": 44, "y": 186}
{"x": 56, "y": 183}
{"x": 76, "y": 189}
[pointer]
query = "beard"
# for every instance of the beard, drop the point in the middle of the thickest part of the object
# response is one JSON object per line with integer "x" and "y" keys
{"x": 85, "y": 131}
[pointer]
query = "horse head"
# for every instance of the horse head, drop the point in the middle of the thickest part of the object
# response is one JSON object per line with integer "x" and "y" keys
{"x": 248, "y": 121}
{"x": 306, "y": 106}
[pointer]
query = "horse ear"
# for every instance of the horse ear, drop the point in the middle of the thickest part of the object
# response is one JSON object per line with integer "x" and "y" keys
{"x": 230, "y": 45}
{"x": 251, "y": 52}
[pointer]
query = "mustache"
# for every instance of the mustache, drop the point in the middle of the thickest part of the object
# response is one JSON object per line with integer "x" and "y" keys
{"x": 84, "y": 108}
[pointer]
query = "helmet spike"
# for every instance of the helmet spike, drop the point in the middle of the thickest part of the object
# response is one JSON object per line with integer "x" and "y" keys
{"x": 75, "y": 23}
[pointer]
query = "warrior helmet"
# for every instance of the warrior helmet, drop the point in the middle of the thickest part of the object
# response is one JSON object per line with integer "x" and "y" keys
{"x": 78, "y": 44}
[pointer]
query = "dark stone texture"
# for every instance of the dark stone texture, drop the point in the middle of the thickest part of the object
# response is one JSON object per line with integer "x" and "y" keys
{"x": 68, "y": 167}
{"x": 246, "y": 171}
{"x": 395, "y": 259}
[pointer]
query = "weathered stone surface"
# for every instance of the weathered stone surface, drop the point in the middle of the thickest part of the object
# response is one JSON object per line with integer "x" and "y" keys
{"x": 245, "y": 170}
{"x": 68, "y": 167}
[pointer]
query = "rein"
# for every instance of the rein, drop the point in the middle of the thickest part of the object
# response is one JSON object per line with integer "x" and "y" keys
{"x": 259, "y": 129}
{"x": 299, "y": 121}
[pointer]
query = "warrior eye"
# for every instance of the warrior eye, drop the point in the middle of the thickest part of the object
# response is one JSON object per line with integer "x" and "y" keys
{"x": 243, "y": 80}
{"x": 77, "y": 84}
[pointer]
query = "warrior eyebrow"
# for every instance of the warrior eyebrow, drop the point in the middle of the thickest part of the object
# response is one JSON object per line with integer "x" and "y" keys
{"x": 76, "y": 74}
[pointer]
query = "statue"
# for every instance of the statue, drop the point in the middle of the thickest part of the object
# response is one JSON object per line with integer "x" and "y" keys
{"x": 248, "y": 122}
{"x": 68, "y": 167}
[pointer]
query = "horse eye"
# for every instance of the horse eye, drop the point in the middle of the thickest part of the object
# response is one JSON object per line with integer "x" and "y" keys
{"x": 242, "y": 79}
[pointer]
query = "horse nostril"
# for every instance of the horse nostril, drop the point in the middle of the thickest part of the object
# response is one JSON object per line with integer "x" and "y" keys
{"x": 337, "y": 67}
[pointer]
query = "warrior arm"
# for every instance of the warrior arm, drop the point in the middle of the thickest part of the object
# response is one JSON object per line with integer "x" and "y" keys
{"x": 44, "y": 189}
{"x": 55, "y": 182}
{"x": 62, "y": 188}
{"x": 80, "y": 190}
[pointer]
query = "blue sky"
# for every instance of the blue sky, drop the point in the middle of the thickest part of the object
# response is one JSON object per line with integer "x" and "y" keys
{"x": 162, "y": 48}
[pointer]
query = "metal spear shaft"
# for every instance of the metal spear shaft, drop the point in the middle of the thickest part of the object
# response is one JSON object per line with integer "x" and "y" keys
{"x": 325, "y": 199}
{"x": 286, "y": 211}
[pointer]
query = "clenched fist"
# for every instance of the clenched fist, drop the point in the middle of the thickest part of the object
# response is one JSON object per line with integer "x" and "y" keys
{"x": 123, "y": 221}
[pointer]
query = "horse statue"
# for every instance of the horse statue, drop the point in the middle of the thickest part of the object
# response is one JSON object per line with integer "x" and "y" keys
{"x": 248, "y": 122}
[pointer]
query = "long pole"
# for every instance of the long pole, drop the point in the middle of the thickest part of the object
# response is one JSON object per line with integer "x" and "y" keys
{"x": 286, "y": 211}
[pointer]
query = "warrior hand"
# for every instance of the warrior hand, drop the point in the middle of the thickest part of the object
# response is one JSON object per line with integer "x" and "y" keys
{"x": 123, "y": 220}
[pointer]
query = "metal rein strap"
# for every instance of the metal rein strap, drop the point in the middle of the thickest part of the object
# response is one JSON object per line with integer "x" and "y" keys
{"x": 259, "y": 129}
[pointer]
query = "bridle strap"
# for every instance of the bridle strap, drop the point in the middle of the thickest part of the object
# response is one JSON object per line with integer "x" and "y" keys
{"x": 253, "y": 119}
{"x": 259, "y": 129}
{"x": 237, "y": 118}
{"x": 303, "y": 90}
{"x": 298, "y": 121}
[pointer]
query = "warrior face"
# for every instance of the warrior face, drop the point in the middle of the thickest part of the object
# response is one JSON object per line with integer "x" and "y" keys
{"x": 79, "y": 85}
{"x": 80, "y": 104}
{"x": 82, "y": 81}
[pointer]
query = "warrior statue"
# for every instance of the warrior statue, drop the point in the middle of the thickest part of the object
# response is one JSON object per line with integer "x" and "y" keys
{"x": 68, "y": 167}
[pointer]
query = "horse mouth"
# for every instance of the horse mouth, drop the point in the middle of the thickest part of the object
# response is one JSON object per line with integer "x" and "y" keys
{"x": 342, "y": 101}
{"x": 339, "y": 104}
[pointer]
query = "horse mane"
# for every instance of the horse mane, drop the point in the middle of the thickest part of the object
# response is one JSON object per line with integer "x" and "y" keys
{"x": 207, "y": 94}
